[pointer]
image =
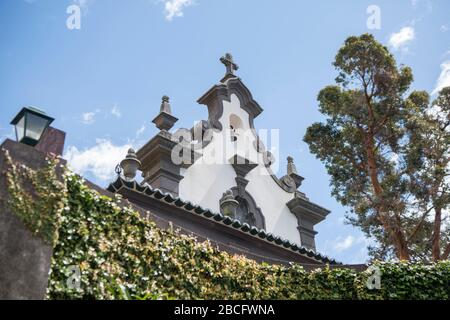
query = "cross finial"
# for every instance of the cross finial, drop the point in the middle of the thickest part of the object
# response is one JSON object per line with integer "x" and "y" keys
{"x": 227, "y": 60}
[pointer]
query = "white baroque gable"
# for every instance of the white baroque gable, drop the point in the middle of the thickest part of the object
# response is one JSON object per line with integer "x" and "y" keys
{"x": 228, "y": 168}
{"x": 211, "y": 175}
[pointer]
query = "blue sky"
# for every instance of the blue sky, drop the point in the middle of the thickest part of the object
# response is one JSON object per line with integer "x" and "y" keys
{"x": 104, "y": 82}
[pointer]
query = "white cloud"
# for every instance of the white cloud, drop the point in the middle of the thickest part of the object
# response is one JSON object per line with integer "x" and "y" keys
{"x": 140, "y": 131}
{"x": 401, "y": 39}
{"x": 341, "y": 220}
{"x": 174, "y": 8}
{"x": 444, "y": 77}
{"x": 115, "y": 111}
{"x": 344, "y": 244}
{"x": 88, "y": 117}
{"x": 444, "y": 28}
{"x": 99, "y": 160}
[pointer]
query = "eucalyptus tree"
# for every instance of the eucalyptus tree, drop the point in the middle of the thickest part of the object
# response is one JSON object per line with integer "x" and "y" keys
{"x": 372, "y": 146}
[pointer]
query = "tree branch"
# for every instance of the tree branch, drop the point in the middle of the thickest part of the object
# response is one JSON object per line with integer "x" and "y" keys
{"x": 419, "y": 225}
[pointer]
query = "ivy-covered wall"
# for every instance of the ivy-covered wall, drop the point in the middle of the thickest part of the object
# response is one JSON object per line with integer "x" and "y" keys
{"x": 121, "y": 255}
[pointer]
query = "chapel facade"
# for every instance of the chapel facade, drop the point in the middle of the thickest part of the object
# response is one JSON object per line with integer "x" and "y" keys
{"x": 220, "y": 169}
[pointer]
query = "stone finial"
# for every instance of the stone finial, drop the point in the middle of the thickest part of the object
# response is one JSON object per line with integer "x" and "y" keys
{"x": 131, "y": 154}
{"x": 291, "y": 166}
{"x": 291, "y": 174}
{"x": 228, "y": 204}
{"x": 130, "y": 165}
{"x": 165, "y": 120}
{"x": 230, "y": 65}
{"x": 165, "y": 105}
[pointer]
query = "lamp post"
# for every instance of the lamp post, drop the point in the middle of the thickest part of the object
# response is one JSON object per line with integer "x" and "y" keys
{"x": 30, "y": 124}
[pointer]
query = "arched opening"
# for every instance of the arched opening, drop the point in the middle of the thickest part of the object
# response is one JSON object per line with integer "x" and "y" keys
{"x": 243, "y": 212}
{"x": 247, "y": 210}
{"x": 235, "y": 127}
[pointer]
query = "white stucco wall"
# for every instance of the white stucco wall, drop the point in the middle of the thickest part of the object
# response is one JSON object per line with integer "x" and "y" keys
{"x": 210, "y": 176}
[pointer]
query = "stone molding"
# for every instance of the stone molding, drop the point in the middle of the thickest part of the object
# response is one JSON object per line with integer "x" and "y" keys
{"x": 157, "y": 166}
{"x": 308, "y": 214}
{"x": 215, "y": 96}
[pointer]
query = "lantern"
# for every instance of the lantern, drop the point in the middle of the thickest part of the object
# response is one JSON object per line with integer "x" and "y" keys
{"x": 30, "y": 124}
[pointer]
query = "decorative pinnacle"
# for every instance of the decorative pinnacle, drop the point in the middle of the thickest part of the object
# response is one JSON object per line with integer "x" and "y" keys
{"x": 165, "y": 120}
{"x": 228, "y": 204}
{"x": 227, "y": 196}
{"x": 227, "y": 60}
{"x": 292, "y": 172}
{"x": 131, "y": 154}
{"x": 165, "y": 105}
{"x": 291, "y": 166}
{"x": 129, "y": 165}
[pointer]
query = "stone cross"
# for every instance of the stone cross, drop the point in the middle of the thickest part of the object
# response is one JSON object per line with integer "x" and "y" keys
{"x": 227, "y": 60}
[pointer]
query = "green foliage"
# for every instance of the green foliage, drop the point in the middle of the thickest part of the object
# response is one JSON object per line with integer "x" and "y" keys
{"x": 122, "y": 255}
{"x": 37, "y": 197}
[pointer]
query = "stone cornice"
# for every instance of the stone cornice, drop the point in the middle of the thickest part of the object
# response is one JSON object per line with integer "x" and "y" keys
{"x": 303, "y": 208}
{"x": 157, "y": 166}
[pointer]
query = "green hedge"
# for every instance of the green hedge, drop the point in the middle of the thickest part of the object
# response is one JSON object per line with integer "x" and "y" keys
{"x": 122, "y": 256}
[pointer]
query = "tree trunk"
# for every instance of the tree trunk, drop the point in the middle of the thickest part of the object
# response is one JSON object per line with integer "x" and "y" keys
{"x": 392, "y": 229}
{"x": 446, "y": 253}
{"x": 402, "y": 247}
{"x": 436, "y": 246}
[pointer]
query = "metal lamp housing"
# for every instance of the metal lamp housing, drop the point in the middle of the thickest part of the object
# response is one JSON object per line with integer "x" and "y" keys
{"x": 30, "y": 123}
